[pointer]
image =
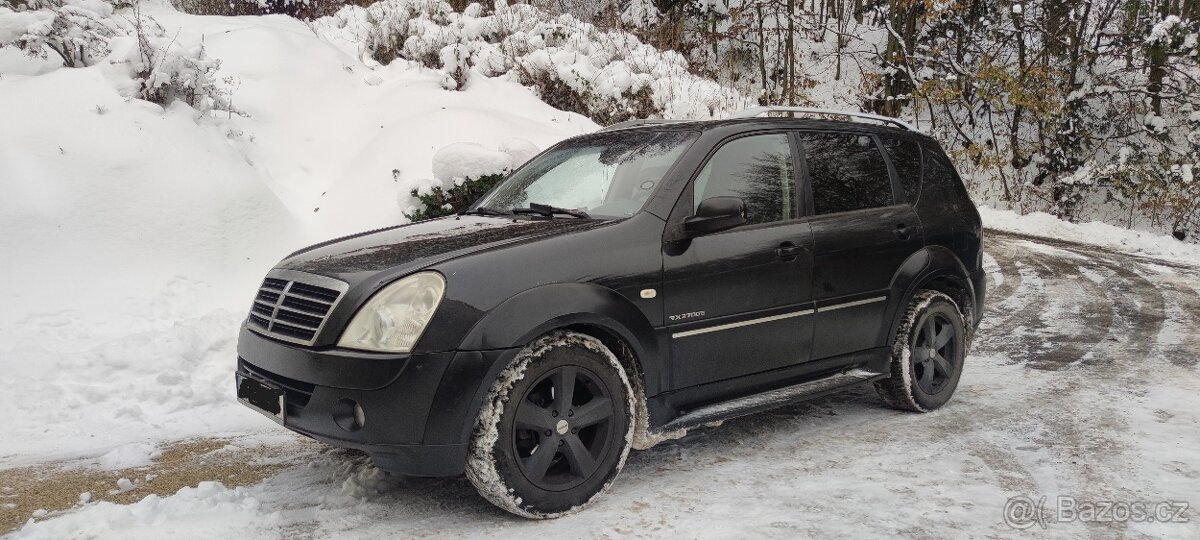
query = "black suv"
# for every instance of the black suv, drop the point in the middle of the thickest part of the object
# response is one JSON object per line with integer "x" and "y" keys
{"x": 622, "y": 287}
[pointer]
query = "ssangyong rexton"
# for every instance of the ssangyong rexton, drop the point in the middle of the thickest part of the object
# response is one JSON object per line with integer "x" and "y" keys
{"x": 622, "y": 287}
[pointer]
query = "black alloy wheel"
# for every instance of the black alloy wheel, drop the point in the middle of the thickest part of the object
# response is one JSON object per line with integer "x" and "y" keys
{"x": 934, "y": 352}
{"x": 562, "y": 428}
{"x": 555, "y": 428}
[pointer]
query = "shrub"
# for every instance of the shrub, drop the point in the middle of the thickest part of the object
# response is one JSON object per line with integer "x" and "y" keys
{"x": 438, "y": 202}
{"x": 463, "y": 172}
{"x": 78, "y": 31}
{"x": 571, "y": 64}
{"x": 83, "y": 33}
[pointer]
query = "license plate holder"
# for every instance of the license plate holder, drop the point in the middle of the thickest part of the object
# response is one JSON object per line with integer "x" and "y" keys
{"x": 262, "y": 397}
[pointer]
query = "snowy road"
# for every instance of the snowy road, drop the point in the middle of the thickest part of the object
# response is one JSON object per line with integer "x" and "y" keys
{"x": 1083, "y": 382}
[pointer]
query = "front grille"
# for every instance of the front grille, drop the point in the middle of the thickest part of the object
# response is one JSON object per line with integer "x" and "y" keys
{"x": 292, "y": 306}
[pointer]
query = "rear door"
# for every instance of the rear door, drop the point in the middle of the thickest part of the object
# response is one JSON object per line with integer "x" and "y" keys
{"x": 739, "y": 301}
{"x": 863, "y": 230}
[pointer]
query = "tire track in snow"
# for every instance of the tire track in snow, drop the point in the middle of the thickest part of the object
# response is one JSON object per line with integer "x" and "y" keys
{"x": 1177, "y": 340}
{"x": 1054, "y": 314}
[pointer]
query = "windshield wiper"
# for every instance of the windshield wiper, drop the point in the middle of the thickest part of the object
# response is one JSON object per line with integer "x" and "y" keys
{"x": 482, "y": 211}
{"x": 550, "y": 211}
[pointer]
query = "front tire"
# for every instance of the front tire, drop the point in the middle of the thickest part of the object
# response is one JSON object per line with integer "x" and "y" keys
{"x": 555, "y": 429}
{"x": 927, "y": 355}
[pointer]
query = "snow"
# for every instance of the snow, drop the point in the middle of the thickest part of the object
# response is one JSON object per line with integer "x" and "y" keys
{"x": 208, "y": 510}
{"x": 13, "y": 24}
{"x": 128, "y": 456}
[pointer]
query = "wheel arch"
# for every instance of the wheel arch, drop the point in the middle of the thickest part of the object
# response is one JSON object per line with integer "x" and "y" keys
{"x": 588, "y": 309}
{"x": 934, "y": 268}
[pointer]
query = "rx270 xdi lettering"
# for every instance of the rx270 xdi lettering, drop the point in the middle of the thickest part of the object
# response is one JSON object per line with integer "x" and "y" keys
{"x": 621, "y": 287}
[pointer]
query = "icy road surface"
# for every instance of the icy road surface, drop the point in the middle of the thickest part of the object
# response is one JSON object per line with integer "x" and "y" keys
{"x": 1082, "y": 383}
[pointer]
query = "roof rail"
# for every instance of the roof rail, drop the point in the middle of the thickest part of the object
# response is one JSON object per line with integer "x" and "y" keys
{"x": 637, "y": 122}
{"x": 758, "y": 111}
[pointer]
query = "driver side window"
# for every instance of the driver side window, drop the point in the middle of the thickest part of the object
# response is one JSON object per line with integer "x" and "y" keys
{"x": 757, "y": 169}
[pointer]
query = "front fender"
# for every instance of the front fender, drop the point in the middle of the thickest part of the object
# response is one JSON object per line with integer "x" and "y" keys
{"x": 529, "y": 314}
{"x": 516, "y": 322}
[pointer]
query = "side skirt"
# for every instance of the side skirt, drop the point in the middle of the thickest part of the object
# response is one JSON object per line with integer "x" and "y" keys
{"x": 769, "y": 400}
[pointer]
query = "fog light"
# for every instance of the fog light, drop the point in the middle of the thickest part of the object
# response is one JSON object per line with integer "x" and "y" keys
{"x": 349, "y": 415}
{"x": 360, "y": 417}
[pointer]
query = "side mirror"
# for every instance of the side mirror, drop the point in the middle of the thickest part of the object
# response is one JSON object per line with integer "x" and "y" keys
{"x": 716, "y": 214}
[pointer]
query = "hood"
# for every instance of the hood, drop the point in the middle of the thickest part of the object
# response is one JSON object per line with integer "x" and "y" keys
{"x": 408, "y": 248}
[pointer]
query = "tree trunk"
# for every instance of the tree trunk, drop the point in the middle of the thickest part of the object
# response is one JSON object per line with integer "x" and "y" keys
{"x": 1190, "y": 11}
{"x": 902, "y": 20}
{"x": 790, "y": 48}
{"x": 1156, "y": 56}
{"x": 762, "y": 53}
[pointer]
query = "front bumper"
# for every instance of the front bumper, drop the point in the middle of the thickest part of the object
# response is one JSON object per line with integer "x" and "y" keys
{"x": 419, "y": 408}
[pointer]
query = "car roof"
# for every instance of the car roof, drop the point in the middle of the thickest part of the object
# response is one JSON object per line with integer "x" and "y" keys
{"x": 784, "y": 115}
{"x": 752, "y": 123}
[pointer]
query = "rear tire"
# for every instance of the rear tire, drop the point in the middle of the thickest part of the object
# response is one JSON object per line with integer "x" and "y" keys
{"x": 555, "y": 428}
{"x": 927, "y": 354}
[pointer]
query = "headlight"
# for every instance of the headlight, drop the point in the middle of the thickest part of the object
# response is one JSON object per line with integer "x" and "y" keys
{"x": 393, "y": 319}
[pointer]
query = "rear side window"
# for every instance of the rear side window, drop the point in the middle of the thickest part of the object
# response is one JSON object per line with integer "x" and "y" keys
{"x": 942, "y": 181}
{"x": 906, "y": 158}
{"x": 847, "y": 171}
{"x": 757, "y": 169}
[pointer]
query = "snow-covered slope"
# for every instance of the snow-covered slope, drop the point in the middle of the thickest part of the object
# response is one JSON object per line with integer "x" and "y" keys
{"x": 133, "y": 236}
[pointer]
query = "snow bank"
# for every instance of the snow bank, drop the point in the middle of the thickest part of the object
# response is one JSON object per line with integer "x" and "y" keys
{"x": 1093, "y": 233}
{"x": 134, "y": 236}
{"x": 209, "y": 510}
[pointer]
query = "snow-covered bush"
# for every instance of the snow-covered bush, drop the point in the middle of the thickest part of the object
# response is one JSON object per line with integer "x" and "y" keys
{"x": 640, "y": 14}
{"x": 189, "y": 76}
{"x": 78, "y": 31}
{"x": 462, "y": 173}
{"x": 86, "y": 32}
{"x": 573, "y": 65}
{"x": 168, "y": 72}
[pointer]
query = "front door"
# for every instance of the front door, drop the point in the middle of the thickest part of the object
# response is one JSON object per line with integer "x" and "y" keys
{"x": 862, "y": 234}
{"x": 738, "y": 302}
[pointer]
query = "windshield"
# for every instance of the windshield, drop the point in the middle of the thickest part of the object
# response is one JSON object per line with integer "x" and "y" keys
{"x": 607, "y": 176}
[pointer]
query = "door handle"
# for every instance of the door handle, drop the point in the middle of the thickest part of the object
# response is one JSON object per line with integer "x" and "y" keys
{"x": 902, "y": 232}
{"x": 788, "y": 251}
